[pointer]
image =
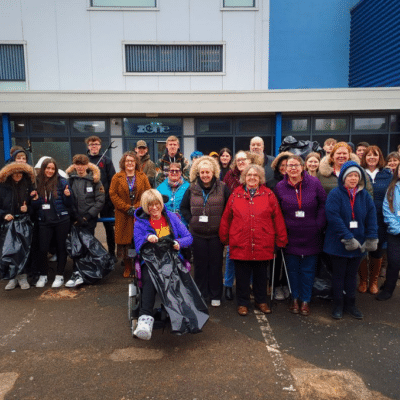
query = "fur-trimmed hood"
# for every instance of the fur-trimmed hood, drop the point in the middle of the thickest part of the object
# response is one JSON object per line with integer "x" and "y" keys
{"x": 326, "y": 168}
{"x": 91, "y": 167}
{"x": 194, "y": 171}
{"x": 279, "y": 157}
{"x": 16, "y": 167}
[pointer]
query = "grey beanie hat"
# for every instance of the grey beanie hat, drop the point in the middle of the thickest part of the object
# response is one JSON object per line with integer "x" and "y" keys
{"x": 350, "y": 170}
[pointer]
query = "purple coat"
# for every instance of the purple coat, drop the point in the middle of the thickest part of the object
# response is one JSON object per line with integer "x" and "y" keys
{"x": 304, "y": 234}
{"x": 143, "y": 229}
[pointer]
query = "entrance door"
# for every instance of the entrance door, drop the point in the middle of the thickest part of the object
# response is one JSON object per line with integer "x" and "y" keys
{"x": 156, "y": 146}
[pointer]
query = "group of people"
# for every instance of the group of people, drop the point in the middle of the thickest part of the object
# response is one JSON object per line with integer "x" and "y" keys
{"x": 345, "y": 203}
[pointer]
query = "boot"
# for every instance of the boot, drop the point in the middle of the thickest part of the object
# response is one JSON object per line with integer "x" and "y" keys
{"x": 128, "y": 267}
{"x": 350, "y": 308}
{"x": 23, "y": 281}
{"x": 228, "y": 293}
{"x": 337, "y": 310}
{"x": 363, "y": 273}
{"x": 375, "y": 270}
{"x": 144, "y": 327}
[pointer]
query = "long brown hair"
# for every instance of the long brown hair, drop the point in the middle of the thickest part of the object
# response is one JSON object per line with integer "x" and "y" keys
{"x": 390, "y": 191}
{"x": 48, "y": 185}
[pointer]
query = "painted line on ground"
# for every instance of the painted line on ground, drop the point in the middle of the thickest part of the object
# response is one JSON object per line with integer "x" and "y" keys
{"x": 286, "y": 379}
{"x": 14, "y": 332}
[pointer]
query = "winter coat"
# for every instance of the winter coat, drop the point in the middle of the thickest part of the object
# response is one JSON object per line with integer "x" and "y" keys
{"x": 143, "y": 229}
{"x": 304, "y": 234}
{"x": 149, "y": 168}
{"x": 232, "y": 179}
{"x": 175, "y": 197}
{"x": 339, "y": 215}
{"x": 163, "y": 166}
{"x": 119, "y": 194}
{"x": 392, "y": 219}
{"x": 10, "y": 202}
{"x": 107, "y": 171}
{"x": 62, "y": 204}
{"x": 252, "y": 227}
{"x": 273, "y": 179}
{"x": 87, "y": 191}
{"x": 380, "y": 185}
{"x": 328, "y": 178}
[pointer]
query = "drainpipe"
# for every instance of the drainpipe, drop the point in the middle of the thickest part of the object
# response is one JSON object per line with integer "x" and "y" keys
{"x": 278, "y": 132}
{"x": 6, "y": 135}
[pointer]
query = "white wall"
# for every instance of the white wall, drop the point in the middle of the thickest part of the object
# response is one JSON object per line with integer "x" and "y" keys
{"x": 71, "y": 48}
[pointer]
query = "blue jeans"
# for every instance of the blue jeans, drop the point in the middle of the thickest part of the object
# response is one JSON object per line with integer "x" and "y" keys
{"x": 301, "y": 271}
{"x": 229, "y": 270}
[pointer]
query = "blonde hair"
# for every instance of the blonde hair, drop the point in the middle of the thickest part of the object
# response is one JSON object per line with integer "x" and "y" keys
{"x": 260, "y": 172}
{"x": 149, "y": 197}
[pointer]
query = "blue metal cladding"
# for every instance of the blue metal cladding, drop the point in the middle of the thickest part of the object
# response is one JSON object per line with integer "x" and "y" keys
{"x": 375, "y": 44}
{"x": 12, "y": 62}
{"x": 174, "y": 58}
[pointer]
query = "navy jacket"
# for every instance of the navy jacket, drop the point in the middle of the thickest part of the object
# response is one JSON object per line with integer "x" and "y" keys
{"x": 338, "y": 215}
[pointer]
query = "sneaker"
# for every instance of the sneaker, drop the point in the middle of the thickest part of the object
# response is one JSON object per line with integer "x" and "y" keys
{"x": 41, "y": 281}
{"x": 278, "y": 294}
{"x": 72, "y": 280}
{"x": 144, "y": 327}
{"x": 286, "y": 292}
{"x": 53, "y": 258}
{"x": 79, "y": 281}
{"x": 12, "y": 284}
{"x": 58, "y": 281}
{"x": 215, "y": 303}
{"x": 23, "y": 281}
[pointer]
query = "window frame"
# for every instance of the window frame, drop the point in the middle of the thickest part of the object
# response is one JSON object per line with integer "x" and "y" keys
{"x": 121, "y": 8}
{"x": 239, "y": 8}
{"x": 149, "y": 43}
{"x": 23, "y": 43}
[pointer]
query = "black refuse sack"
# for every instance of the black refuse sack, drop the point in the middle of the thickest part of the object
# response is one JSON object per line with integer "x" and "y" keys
{"x": 300, "y": 147}
{"x": 179, "y": 294}
{"x": 322, "y": 287}
{"x": 92, "y": 260}
{"x": 15, "y": 245}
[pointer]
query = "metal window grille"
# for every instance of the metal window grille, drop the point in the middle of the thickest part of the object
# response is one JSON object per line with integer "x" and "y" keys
{"x": 174, "y": 58}
{"x": 12, "y": 62}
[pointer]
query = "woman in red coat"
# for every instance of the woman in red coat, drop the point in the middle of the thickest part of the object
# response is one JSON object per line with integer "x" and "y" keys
{"x": 252, "y": 225}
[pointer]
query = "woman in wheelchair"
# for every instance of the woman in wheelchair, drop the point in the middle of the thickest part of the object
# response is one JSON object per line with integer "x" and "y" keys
{"x": 153, "y": 222}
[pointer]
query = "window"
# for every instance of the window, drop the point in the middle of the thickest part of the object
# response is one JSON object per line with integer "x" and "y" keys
{"x": 370, "y": 124}
{"x": 12, "y": 62}
{"x": 239, "y": 3}
{"x": 331, "y": 124}
{"x": 89, "y": 128}
{"x": 142, "y": 127}
{"x": 123, "y": 3}
{"x": 295, "y": 125}
{"x": 173, "y": 58}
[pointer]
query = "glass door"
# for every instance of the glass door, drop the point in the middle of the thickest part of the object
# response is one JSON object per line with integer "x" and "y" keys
{"x": 156, "y": 146}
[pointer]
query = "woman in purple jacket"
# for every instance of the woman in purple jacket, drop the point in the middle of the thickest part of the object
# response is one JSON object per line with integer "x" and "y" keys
{"x": 302, "y": 199}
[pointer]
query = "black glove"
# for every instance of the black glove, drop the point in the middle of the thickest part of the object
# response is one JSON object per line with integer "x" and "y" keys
{"x": 79, "y": 221}
{"x": 370, "y": 245}
{"x": 351, "y": 244}
{"x": 131, "y": 212}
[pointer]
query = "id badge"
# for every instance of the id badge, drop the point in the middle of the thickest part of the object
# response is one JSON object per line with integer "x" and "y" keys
{"x": 45, "y": 206}
{"x": 300, "y": 214}
{"x": 203, "y": 218}
{"x": 398, "y": 213}
{"x": 353, "y": 224}
{"x": 89, "y": 189}
{"x": 131, "y": 253}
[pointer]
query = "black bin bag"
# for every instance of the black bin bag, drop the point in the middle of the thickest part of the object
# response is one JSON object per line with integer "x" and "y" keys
{"x": 300, "y": 147}
{"x": 322, "y": 286}
{"x": 179, "y": 294}
{"x": 15, "y": 245}
{"x": 92, "y": 260}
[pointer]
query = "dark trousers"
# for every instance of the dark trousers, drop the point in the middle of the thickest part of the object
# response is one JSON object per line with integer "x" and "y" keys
{"x": 32, "y": 265}
{"x": 244, "y": 271}
{"x": 207, "y": 256}
{"x": 344, "y": 276}
{"x": 393, "y": 267}
{"x": 148, "y": 293}
{"x": 59, "y": 232}
{"x": 108, "y": 212}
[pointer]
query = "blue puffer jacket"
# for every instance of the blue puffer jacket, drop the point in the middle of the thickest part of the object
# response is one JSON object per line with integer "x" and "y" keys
{"x": 393, "y": 218}
{"x": 175, "y": 197}
{"x": 338, "y": 215}
{"x": 62, "y": 203}
{"x": 380, "y": 185}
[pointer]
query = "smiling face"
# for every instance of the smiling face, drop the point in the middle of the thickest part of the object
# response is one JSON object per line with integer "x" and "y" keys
{"x": 174, "y": 174}
{"x": 205, "y": 174}
{"x": 312, "y": 164}
{"x": 130, "y": 164}
{"x": 393, "y": 163}
{"x": 257, "y": 146}
{"x": 360, "y": 151}
{"x": 21, "y": 158}
{"x": 372, "y": 159}
{"x": 50, "y": 170}
{"x": 242, "y": 161}
{"x": 351, "y": 180}
{"x": 94, "y": 148}
{"x": 17, "y": 176}
{"x": 282, "y": 167}
{"x": 293, "y": 169}
{"x": 252, "y": 179}
{"x": 225, "y": 158}
{"x": 155, "y": 209}
{"x": 341, "y": 156}
{"x": 141, "y": 151}
{"x": 80, "y": 169}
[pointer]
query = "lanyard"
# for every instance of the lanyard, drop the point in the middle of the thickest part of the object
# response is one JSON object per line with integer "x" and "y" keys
{"x": 45, "y": 196}
{"x": 131, "y": 184}
{"x": 298, "y": 196}
{"x": 205, "y": 197}
{"x": 352, "y": 201}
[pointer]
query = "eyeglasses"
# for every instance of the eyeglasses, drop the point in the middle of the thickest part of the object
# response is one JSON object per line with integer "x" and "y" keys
{"x": 94, "y": 144}
{"x": 129, "y": 162}
{"x": 293, "y": 166}
{"x": 241, "y": 160}
{"x": 175, "y": 171}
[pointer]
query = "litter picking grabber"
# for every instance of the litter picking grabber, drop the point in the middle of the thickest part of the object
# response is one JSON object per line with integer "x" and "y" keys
{"x": 110, "y": 146}
{"x": 273, "y": 275}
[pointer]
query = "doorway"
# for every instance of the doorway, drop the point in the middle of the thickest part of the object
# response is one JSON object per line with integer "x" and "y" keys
{"x": 156, "y": 146}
